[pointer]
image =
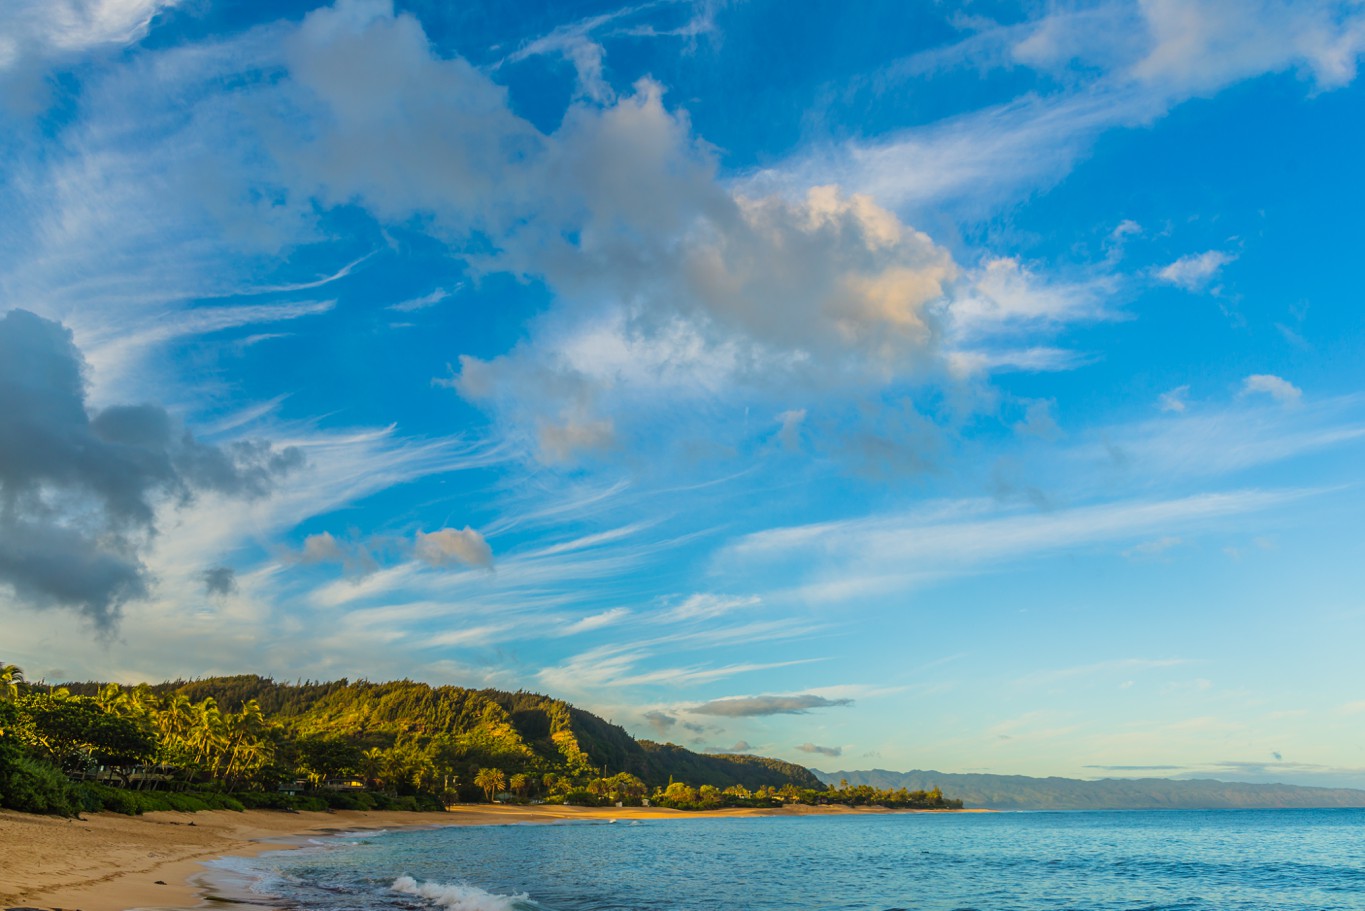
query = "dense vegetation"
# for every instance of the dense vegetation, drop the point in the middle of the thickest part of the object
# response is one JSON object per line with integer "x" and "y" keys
{"x": 250, "y": 741}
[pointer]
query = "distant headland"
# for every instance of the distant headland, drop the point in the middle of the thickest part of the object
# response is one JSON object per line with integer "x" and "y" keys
{"x": 1019, "y": 792}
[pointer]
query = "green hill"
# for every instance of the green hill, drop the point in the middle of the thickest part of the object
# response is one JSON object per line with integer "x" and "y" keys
{"x": 520, "y": 731}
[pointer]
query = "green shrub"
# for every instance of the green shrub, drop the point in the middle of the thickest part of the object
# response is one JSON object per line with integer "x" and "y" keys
{"x": 95, "y": 797}
{"x": 34, "y": 786}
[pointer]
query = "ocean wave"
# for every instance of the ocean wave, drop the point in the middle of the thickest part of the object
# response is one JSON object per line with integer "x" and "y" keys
{"x": 462, "y": 897}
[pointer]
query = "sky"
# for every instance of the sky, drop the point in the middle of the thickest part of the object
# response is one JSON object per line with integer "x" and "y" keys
{"x": 967, "y": 386}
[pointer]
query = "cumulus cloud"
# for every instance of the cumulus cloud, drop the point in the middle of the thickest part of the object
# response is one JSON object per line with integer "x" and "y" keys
{"x": 809, "y": 747}
{"x": 324, "y": 547}
{"x": 365, "y": 555}
{"x": 752, "y": 706}
{"x": 448, "y": 546}
{"x": 662, "y": 272}
{"x": 1281, "y": 390}
{"x": 321, "y": 548}
{"x": 741, "y": 746}
{"x": 1194, "y": 272}
{"x": 80, "y": 489}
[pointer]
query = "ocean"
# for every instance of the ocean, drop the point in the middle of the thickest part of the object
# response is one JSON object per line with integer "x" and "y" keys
{"x": 1228, "y": 860}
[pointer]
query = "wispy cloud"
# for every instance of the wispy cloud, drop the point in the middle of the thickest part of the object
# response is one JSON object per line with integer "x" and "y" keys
{"x": 753, "y": 706}
{"x": 1196, "y": 271}
{"x": 1116, "y": 666}
{"x": 838, "y": 560}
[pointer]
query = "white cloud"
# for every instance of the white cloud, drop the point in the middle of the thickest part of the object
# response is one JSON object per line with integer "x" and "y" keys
{"x": 705, "y": 606}
{"x": 1200, "y": 46}
{"x": 1153, "y": 548}
{"x": 596, "y": 621}
{"x": 1004, "y": 295}
{"x": 1119, "y": 64}
{"x": 1221, "y": 442}
{"x": 453, "y": 545}
{"x": 424, "y": 302}
{"x": 839, "y": 561}
{"x": 1276, "y": 387}
{"x": 38, "y": 34}
{"x": 1176, "y": 400}
{"x": 756, "y": 706}
{"x": 1194, "y": 272}
{"x": 1281, "y": 390}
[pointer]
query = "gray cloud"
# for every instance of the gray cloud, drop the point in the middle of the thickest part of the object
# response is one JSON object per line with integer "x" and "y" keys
{"x": 823, "y": 751}
{"x": 749, "y": 706}
{"x": 661, "y": 722}
{"x": 742, "y": 746}
{"x": 79, "y": 489}
{"x": 220, "y": 580}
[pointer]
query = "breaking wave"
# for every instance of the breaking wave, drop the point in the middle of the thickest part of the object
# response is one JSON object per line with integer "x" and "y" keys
{"x": 462, "y": 897}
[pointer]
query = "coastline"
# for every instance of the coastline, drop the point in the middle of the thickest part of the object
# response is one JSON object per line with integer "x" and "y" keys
{"x": 111, "y": 862}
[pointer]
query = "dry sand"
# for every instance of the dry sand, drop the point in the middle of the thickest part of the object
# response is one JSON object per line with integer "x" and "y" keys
{"x": 109, "y": 862}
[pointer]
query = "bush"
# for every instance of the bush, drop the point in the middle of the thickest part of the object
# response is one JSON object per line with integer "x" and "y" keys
{"x": 266, "y": 800}
{"x": 96, "y": 797}
{"x": 34, "y": 786}
{"x": 582, "y": 798}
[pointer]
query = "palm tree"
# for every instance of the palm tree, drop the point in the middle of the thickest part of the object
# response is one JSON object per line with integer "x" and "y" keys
{"x": 490, "y": 781}
{"x": 11, "y": 675}
{"x": 372, "y": 765}
{"x": 518, "y": 784}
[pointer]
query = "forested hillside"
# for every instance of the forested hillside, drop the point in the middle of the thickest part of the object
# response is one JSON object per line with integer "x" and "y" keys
{"x": 489, "y": 727}
{"x": 251, "y": 741}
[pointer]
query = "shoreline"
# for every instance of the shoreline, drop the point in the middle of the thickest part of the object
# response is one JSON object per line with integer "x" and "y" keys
{"x": 112, "y": 862}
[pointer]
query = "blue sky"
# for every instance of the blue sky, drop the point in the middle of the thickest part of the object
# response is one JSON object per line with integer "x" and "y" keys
{"x": 967, "y": 386}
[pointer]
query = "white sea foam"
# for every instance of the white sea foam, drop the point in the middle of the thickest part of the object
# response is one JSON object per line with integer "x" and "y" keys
{"x": 461, "y": 897}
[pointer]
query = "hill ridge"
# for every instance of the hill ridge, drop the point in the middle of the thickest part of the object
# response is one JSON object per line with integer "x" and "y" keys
{"x": 1023, "y": 792}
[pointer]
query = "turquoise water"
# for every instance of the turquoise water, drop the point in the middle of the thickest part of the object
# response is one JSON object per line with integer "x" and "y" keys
{"x": 1272, "y": 860}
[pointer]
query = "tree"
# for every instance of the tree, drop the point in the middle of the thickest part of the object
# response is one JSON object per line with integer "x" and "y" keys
{"x": 518, "y": 784}
{"x": 328, "y": 757}
{"x": 75, "y": 733}
{"x": 490, "y": 781}
{"x": 11, "y": 675}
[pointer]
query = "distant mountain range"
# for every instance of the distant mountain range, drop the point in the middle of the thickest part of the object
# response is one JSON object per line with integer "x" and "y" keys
{"x": 1018, "y": 792}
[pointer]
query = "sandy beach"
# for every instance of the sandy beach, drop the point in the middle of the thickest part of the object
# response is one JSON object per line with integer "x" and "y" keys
{"x": 110, "y": 862}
